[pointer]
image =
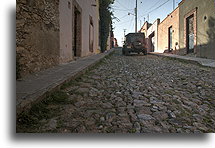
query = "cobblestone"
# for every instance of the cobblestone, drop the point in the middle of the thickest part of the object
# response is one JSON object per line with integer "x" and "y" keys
{"x": 141, "y": 94}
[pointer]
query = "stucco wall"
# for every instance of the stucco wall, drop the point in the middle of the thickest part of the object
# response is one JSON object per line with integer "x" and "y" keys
{"x": 163, "y": 38}
{"x": 45, "y": 29}
{"x": 151, "y": 29}
{"x": 144, "y": 28}
{"x": 66, "y": 32}
{"x": 205, "y": 20}
{"x": 89, "y": 8}
{"x": 37, "y": 35}
{"x": 87, "y": 11}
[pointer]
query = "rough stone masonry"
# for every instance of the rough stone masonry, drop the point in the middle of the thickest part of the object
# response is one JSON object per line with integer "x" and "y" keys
{"x": 37, "y": 35}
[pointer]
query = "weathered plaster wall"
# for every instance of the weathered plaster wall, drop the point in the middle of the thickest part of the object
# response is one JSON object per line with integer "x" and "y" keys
{"x": 151, "y": 29}
{"x": 89, "y": 10}
{"x": 205, "y": 20}
{"x": 66, "y": 31}
{"x": 163, "y": 39}
{"x": 144, "y": 28}
{"x": 37, "y": 35}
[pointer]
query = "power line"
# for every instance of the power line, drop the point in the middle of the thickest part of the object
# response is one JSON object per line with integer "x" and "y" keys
{"x": 156, "y": 8}
{"x": 152, "y": 6}
{"x": 122, "y": 9}
{"x": 122, "y": 5}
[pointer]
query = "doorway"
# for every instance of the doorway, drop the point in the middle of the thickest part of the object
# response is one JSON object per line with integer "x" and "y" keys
{"x": 77, "y": 33}
{"x": 91, "y": 34}
{"x": 190, "y": 34}
{"x": 170, "y": 31}
{"x": 152, "y": 42}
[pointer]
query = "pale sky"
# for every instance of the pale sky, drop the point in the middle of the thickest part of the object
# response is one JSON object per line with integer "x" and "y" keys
{"x": 155, "y": 9}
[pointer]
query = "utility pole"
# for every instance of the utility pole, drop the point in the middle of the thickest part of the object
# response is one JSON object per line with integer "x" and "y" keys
{"x": 136, "y": 18}
{"x": 173, "y": 4}
{"x": 124, "y": 33}
{"x": 148, "y": 17}
{"x": 140, "y": 23}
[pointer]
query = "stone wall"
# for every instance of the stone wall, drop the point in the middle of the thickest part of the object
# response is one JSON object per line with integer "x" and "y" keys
{"x": 37, "y": 35}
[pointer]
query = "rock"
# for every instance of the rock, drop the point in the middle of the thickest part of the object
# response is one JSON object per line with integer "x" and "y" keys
{"x": 120, "y": 104}
{"x": 102, "y": 119}
{"x": 191, "y": 128}
{"x": 138, "y": 103}
{"x": 200, "y": 126}
{"x": 107, "y": 105}
{"x": 198, "y": 117}
{"x": 137, "y": 127}
{"x": 110, "y": 116}
{"x": 145, "y": 117}
{"x": 83, "y": 90}
{"x": 204, "y": 107}
{"x": 171, "y": 114}
{"x": 144, "y": 110}
{"x": 165, "y": 125}
{"x": 180, "y": 130}
{"x": 51, "y": 125}
{"x": 136, "y": 95}
{"x": 100, "y": 127}
{"x": 160, "y": 115}
{"x": 155, "y": 101}
{"x": 85, "y": 85}
{"x": 118, "y": 93}
{"x": 79, "y": 103}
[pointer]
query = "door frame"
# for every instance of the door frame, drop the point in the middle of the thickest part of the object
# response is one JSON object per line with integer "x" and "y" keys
{"x": 170, "y": 48}
{"x": 78, "y": 46}
{"x": 187, "y": 34}
{"x": 189, "y": 14}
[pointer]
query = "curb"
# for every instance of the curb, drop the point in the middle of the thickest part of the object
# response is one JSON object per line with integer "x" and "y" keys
{"x": 38, "y": 96}
{"x": 204, "y": 62}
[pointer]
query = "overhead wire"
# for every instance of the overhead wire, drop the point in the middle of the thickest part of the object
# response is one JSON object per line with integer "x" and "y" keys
{"x": 122, "y": 5}
{"x": 155, "y": 8}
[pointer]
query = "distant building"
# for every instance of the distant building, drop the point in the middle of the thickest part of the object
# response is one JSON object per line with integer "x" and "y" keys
{"x": 151, "y": 34}
{"x": 115, "y": 43}
{"x": 145, "y": 27}
{"x": 110, "y": 40}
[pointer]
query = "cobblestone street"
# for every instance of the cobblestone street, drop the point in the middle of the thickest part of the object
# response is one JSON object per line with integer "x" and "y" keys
{"x": 136, "y": 94}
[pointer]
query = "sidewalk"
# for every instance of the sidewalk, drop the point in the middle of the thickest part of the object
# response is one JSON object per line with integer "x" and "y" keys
{"x": 202, "y": 61}
{"x": 34, "y": 87}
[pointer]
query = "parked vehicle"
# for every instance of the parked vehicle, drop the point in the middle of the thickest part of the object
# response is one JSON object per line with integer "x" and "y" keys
{"x": 134, "y": 42}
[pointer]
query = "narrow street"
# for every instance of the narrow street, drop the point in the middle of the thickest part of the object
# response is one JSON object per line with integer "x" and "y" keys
{"x": 132, "y": 94}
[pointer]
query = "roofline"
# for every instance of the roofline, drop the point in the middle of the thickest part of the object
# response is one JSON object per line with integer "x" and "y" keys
{"x": 181, "y": 2}
{"x": 169, "y": 14}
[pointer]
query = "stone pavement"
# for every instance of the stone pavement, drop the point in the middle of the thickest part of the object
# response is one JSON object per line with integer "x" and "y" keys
{"x": 130, "y": 94}
{"x": 34, "y": 87}
{"x": 202, "y": 61}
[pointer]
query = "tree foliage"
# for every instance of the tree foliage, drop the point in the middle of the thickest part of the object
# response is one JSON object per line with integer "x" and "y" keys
{"x": 105, "y": 22}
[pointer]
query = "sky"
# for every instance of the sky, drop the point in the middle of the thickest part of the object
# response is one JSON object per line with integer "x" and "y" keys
{"x": 148, "y": 10}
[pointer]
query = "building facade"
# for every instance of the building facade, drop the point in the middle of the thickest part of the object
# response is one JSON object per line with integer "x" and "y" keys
{"x": 197, "y": 28}
{"x": 168, "y": 33}
{"x": 49, "y": 33}
{"x": 145, "y": 27}
{"x": 151, "y": 35}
